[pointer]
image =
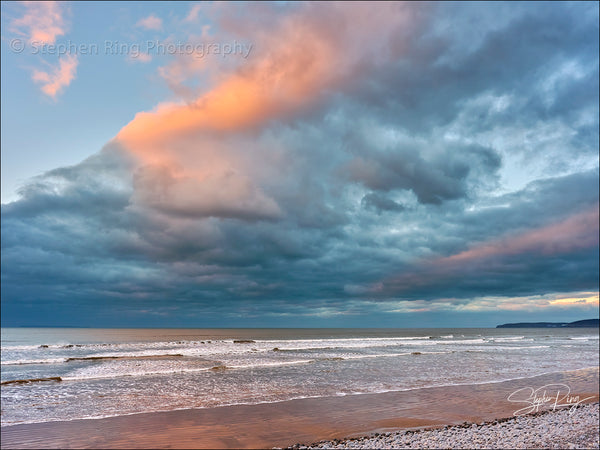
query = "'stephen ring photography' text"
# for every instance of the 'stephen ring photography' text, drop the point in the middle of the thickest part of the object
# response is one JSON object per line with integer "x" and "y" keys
{"x": 133, "y": 50}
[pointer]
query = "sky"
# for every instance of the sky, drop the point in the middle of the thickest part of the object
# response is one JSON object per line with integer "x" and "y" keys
{"x": 299, "y": 164}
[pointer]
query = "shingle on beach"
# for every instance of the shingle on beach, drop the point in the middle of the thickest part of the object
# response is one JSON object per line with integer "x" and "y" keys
{"x": 569, "y": 428}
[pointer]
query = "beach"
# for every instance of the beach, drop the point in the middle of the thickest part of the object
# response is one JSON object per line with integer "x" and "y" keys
{"x": 265, "y": 388}
{"x": 561, "y": 429}
{"x": 310, "y": 420}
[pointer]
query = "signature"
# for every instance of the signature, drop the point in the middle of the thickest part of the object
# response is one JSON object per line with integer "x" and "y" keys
{"x": 555, "y": 395}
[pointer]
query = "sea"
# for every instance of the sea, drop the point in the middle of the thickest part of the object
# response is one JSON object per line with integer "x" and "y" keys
{"x": 96, "y": 373}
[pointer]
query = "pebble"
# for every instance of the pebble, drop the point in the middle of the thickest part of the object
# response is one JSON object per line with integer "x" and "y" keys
{"x": 575, "y": 428}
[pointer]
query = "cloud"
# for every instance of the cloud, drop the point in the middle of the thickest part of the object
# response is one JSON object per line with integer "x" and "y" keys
{"x": 193, "y": 14}
{"x": 42, "y": 22}
{"x": 226, "y": 194}
{"x": 151, "y": 22}
{"x": 54, "y": 82}
{"x": 434, "y": 175}
{"x": 380, "y": 203}
{"x": 141, "y": 57}
{"x": 586, "y": 302}
{"x": 576, "y": 232}
{"x": 539, "y": 259}
{"x": 278, "y": 83}
{"x": 296, "y": 63}
{"x": 359, "y": 163}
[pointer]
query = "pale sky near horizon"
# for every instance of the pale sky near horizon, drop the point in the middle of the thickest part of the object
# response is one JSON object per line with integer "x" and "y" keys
{"x": 297, "y": 164}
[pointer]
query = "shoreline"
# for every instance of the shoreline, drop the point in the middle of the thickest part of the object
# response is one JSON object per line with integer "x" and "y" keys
{"x": 438, "y": 386}
{"x": 284, "y": 424}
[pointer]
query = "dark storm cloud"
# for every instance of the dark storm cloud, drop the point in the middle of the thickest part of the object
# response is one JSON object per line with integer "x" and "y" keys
{"x": 366, "y": 197}
{"x": 380, "y": 203}
{"x": 531, "y": 56}
{"x": 434, "y": 180}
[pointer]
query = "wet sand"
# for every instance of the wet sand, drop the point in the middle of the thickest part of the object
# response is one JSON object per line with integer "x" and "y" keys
{"x": 304, "y": 420}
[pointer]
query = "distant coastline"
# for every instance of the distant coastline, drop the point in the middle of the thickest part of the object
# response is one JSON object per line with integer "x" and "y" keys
{"x": 591, "y": 323}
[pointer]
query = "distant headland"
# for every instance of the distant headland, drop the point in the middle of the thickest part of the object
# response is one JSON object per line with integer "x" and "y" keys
{"x": 577, "y": 324}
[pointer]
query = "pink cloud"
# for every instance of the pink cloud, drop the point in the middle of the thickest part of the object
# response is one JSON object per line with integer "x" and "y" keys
{"x": 53, "y": 82}
{"x": 299, "y": 59}
{"x": 574, "y": 233}
{"x": 296, "y": 62}
{"x": 42, "y": 22}
{"x": 150, "y": 23}
{"x": 219, "y": 193}
{"x": 193, "y": 14}
{"x": 578, "y": 232}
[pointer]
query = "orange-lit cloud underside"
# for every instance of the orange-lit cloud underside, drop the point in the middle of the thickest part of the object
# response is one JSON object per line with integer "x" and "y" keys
{"x": 278, "y": 83}
{"x": 577, "y": 300}
{"x": 291, "y": 67}
{"x": 182, "y": 148}
{"x": 576, "y": 232}
{"x": 589, "y": 298}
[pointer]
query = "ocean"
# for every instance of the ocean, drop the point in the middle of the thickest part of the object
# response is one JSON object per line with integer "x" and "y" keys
{"x": 113, "y": 372}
